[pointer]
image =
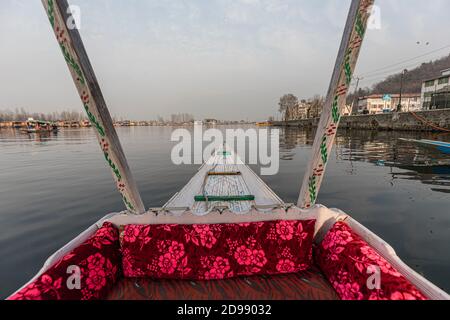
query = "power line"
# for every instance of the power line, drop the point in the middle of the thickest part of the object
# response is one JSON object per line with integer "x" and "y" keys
{"x": 385, "y": 74}
{"x": 405, "y": 61}
{"x": 389, "y": 71}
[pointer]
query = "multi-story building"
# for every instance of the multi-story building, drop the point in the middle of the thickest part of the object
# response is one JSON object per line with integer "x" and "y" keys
{"x": 436, "y": 92}
{"x": 382, "y": 103}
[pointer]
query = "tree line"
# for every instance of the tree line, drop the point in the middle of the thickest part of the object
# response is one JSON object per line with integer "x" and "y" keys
{"x": 22, "y": 115}
{"x": 291, "y": 108}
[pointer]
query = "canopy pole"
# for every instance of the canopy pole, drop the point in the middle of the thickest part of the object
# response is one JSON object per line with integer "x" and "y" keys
{"x": 335, "y": 101}
{"x": 89, "y": 90}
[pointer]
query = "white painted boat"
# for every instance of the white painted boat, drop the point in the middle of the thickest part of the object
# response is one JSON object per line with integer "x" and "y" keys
{"x": 225, "y": 194}
{"x": 223, "y": 177}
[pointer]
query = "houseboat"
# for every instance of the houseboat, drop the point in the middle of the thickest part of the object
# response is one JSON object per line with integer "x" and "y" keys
{"x": 37, "y": 126}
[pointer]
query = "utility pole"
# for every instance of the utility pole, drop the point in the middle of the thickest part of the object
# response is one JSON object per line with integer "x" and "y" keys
{"x": 356, "y": 99}
{"x": 399, "y": 107}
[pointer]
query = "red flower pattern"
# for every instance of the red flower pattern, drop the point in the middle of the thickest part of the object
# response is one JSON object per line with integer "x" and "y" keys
{"x": 259, "y": 258}
{"x": 245, "y": 249}
{"x": 130, "y": 234}
{"x": 243, "y": 256}
{"x": 285, "y": 229}
{"x": 98, "y": 259}
{"x": 345, "y": 259}
{"x": 286, "y": 266}
{"x": 167, "y": 263}
{"x": 96, "y": 279}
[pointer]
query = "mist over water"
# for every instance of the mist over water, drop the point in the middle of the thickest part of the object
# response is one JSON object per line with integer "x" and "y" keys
{"x": 52, "y": 187}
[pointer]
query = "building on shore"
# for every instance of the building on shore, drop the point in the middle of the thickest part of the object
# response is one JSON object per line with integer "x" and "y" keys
{"x": 436, "y": 92}
{"x": 13, "y": 124}
{"x": 305, "y": 109}
{"x": 181, "y": 118}
{"x": 383, "y": 103}
{"x": 347, "y": 110}
{"x": 210, "y": 122}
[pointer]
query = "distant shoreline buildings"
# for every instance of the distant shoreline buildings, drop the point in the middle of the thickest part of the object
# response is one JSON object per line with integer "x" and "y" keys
{"x": 128, "y": 123}
{"x": 385, "y": 103}
{"x": 435, "y": 94}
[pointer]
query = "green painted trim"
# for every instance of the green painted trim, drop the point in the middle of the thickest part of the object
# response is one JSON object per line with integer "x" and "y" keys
{"x": 51, "y": 12}
{"x": 224, "y": 198}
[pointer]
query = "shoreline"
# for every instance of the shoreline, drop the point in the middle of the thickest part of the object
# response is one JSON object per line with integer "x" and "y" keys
{"x": 401, "y": 121}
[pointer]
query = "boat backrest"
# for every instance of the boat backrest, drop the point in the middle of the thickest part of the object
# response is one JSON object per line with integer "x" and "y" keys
{"x": 387, "y": 252}
{"x": 325, "y": 218}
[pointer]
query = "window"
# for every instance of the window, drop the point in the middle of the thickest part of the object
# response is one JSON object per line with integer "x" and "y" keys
{"x": 443, "y": 80}
{"x": 429, "y": 83}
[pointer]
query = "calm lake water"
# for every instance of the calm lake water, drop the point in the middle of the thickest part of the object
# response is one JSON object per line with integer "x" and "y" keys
{"x": 53, "y": 187}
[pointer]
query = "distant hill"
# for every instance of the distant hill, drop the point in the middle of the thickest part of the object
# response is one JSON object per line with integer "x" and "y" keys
{"x": 412, "y": 81}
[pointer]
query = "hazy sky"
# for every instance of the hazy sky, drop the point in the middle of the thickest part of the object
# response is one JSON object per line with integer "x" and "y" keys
{"x": 227, "y": 59}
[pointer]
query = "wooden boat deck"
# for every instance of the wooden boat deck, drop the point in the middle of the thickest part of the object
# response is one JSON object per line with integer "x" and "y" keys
{"x": 308, "y": 285}
{"x": 218, "y": 182}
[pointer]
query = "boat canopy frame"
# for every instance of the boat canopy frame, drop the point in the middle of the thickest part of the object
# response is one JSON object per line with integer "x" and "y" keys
{"x": 73, "y": 50}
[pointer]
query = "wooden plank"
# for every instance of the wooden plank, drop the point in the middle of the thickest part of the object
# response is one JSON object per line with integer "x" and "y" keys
{"x": 247, "y": 183}
{"x": 224, "y": 173}
{"x": 73, "y": 50}
{"x": 224, "y": 198}
{"x": 352, "y": 39}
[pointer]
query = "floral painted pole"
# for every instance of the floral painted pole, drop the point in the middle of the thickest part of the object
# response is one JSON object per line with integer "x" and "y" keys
{"x": 336, "y": 99}
{"x": 91, "y": 96}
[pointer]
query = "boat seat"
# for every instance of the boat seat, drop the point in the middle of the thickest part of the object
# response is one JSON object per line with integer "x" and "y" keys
{"x": 307, "y": 285}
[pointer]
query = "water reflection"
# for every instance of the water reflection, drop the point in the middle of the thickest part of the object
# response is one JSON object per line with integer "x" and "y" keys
{"x": 52, "y": 187}
{"x": 417, "y": 162}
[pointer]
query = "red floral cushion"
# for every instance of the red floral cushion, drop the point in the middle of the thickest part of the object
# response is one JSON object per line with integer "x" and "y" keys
{"x": 98, "y": 260}
{"x": 352, "y": 266}
{"x": 216, "y": 251}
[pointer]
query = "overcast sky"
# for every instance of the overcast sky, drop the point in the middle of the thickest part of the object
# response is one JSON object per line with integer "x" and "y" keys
{"x": 226, "y": 59}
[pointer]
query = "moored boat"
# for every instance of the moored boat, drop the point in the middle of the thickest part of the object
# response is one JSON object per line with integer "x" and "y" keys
{"x": 264, "y": 124}
{"x": 37, "y": 126}
{"x": 439, "y": 145}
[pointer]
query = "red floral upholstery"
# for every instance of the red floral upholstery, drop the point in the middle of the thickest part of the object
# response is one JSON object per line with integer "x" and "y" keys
{"x": 349, "y": 263}
{"x": 98, "y": 260}
{"x": 217, "y": 251}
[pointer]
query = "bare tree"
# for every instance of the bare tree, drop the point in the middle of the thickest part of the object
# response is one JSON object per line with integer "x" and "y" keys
{"x": 316, "y": 104}
{"x": 22, "y": 115}
{"x": 288, "y": 103}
